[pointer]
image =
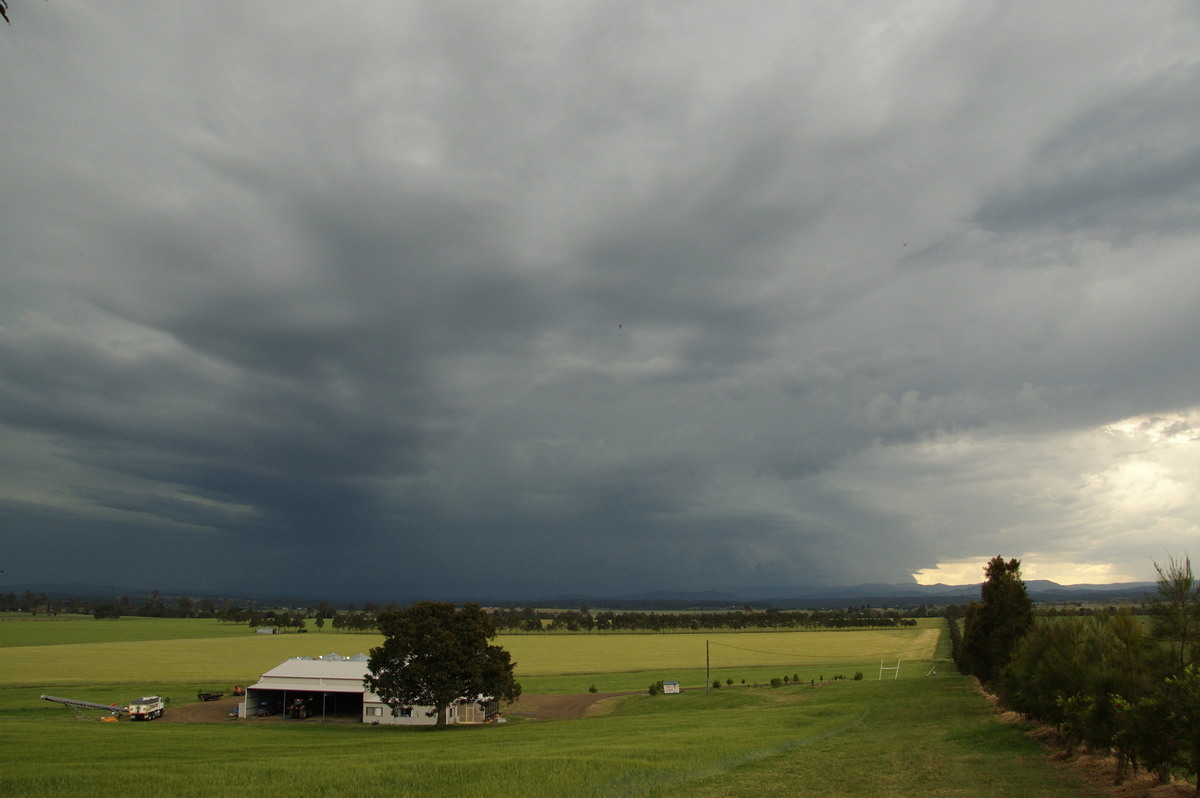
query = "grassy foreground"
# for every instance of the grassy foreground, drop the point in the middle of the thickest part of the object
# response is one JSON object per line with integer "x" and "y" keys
{"x": 932, "y": 736}
{"x": 919, "y": 735}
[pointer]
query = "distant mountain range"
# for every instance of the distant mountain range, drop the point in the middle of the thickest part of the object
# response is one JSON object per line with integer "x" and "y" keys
{"x": 874, "y": 595}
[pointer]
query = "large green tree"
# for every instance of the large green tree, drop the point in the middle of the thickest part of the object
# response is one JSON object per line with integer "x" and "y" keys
{"x": 995, "y": 625}
{"x": 436, "y": 655}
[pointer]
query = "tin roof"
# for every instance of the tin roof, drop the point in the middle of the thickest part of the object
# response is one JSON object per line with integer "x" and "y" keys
{"x": 331, "y": 676}
{"x": 318, "y": 669}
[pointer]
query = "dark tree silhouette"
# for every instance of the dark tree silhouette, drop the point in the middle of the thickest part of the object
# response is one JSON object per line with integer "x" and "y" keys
{"x": 437, "y": 655}
{"x": 995, "y": 625}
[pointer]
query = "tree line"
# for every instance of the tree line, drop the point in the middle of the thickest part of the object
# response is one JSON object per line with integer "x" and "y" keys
{"x": 364, "y": 617}
{"x": 1109, "y": 682}
{"x": 155, "y": 605}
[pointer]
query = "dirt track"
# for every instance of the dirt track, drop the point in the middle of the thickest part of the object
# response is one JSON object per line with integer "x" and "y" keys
{"x": 560, "y": 707}
{"x": 533, "y": 707}
{"x": 202, "y": 712}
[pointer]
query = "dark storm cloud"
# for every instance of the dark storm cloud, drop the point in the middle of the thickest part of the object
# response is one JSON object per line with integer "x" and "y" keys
{"x": 461, "y": 298}
{"x": 1125, "y": 164}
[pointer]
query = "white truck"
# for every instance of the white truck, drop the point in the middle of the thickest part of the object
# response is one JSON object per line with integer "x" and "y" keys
{"x": 146, "y": 708}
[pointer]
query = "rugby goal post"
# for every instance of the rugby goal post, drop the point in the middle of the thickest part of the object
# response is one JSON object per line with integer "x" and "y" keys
{"x": 889, "y": 668}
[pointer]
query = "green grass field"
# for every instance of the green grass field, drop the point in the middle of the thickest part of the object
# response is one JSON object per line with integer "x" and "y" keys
{"x": 21, "y": 629}
{"x": 918, "y": 735}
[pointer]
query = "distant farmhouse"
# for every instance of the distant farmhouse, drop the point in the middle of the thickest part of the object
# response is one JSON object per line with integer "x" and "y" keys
{"x": 331, "y": 687}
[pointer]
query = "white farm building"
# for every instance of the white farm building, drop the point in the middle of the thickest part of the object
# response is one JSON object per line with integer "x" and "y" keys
{"x": 331, "y": 687}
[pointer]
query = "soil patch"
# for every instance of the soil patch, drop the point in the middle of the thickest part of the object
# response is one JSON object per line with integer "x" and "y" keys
{"x": 202, "y": 711}
{"x": 562, "y": 707}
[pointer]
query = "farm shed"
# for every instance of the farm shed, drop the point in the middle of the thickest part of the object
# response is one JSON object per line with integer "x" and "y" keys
{"x": 331, "y": 687}
{"x": 670, "y": 687}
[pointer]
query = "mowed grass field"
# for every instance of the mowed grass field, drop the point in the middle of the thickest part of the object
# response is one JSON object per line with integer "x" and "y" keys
{"x": 916, "y": 735}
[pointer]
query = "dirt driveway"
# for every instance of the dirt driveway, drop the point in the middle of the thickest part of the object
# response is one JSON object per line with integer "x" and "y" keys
{"x": 561, "y": 707}
{"x": 203, "y": 711}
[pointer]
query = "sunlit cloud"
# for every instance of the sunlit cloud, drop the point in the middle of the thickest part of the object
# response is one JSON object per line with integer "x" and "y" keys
{"x": 970, "y": 571}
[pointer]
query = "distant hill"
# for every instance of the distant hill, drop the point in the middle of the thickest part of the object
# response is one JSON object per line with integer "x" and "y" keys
{"x": 874, "y": 595}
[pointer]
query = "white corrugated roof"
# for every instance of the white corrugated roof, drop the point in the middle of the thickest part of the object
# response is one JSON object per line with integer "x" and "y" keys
{"x": 329, "y": 676}
{"x": 317, "y": 669}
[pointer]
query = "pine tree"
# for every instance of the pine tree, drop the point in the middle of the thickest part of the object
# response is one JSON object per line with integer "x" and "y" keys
{"x": 995, "y": 625}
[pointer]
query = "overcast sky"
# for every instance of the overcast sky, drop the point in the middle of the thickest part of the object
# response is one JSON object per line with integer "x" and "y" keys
{"x": 526, "y": 298}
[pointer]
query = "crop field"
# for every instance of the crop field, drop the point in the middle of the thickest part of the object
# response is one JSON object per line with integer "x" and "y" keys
{"x": 205, "y": 650}
{"x": 917, "y": 735}
{"x": 20, "y": 629}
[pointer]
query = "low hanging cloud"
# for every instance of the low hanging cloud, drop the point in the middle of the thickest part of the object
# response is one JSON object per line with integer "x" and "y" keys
{"x": 467, "y": 300}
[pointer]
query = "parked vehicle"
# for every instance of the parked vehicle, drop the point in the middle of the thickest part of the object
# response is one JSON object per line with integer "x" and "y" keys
{"x": 146, "y": 708}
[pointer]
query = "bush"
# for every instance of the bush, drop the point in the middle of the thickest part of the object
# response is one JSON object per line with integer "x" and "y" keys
{"x": 656, "y": 688}
{"x": 858, "y": 676}
{"x": 716, "y": 684}
{"x": 593, "y": 689}
{"x": 776, "y": 682}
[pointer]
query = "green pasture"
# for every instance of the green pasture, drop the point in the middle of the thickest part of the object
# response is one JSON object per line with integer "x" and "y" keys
{"x": 23, "y": 629}
{"x": 932, "y": 736}
{"x": 917, "y": 735}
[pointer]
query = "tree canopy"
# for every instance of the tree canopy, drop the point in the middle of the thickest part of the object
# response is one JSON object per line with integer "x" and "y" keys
{"x": 995, "y": 625}
{"x": 437, "y": 655}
